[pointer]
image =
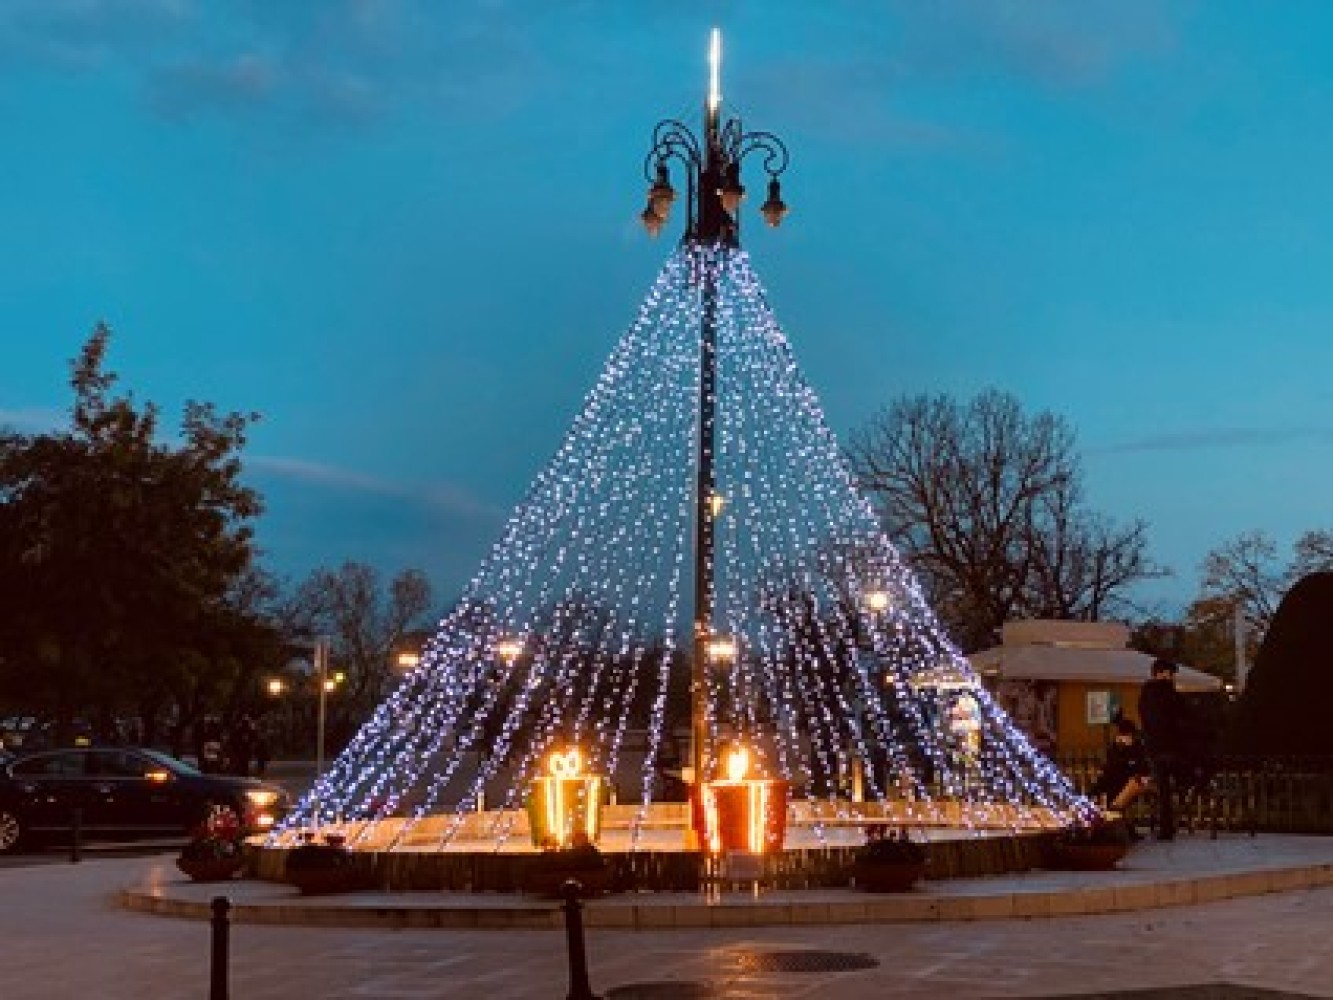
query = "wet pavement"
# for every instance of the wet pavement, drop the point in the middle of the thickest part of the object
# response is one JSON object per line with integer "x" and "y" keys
{"x": 62, "y": 934}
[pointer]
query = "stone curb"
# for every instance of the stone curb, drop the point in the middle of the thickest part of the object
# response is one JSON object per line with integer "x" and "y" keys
{"x": 855, "y": 908}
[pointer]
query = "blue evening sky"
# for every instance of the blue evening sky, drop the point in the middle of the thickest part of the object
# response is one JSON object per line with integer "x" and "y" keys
{"x": 405, "y": 233}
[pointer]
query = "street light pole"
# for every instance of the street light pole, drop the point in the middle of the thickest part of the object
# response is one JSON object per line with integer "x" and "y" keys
{"x": 714, "y": 193}
{"x": 322, "y": 679}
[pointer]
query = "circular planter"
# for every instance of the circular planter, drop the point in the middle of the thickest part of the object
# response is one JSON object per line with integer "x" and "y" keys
{"x": 888, "y": 877}
{"x": 549, "y": 882}
{"x": 324, "y": 881}
{"x": 1086, "y": 857}
{"x": 210, "y": 869}
{"x": 318, "y": 869}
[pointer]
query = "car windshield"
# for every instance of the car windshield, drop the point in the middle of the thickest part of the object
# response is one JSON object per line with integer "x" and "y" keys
{"x": 169, "y": 762}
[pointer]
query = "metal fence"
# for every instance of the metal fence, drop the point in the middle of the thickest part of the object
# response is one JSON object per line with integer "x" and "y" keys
{"x": 1255, "y": 794}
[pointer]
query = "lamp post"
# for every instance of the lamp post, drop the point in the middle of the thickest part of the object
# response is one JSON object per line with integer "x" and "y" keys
{"x": 322, "y": 679}
{"x": 712, "y": 167}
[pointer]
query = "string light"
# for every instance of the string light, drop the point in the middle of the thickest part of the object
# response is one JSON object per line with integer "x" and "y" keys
{"x": 577, "y": 622}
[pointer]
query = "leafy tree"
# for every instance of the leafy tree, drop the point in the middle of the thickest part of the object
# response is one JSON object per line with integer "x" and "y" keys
{"x": 987, "y": 505}
{"x": 120, "y": 554}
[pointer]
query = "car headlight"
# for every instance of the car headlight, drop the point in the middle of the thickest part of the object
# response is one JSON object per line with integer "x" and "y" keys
{"x": 260, "y": 798}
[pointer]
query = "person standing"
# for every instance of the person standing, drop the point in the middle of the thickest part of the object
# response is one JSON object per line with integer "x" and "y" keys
{"x": 210, "y": 747}
{"x": 241, "y": 747}
{"x": 262, "y": 751}
{"x": 1164, "y": 715}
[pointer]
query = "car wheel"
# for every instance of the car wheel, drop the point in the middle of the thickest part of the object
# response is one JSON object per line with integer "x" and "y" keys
{"x": 11, "y": 831}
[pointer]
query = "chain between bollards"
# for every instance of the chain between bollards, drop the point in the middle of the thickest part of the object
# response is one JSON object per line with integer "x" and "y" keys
{"x": 217, "y": 974}
{"x": 579, "y": 987}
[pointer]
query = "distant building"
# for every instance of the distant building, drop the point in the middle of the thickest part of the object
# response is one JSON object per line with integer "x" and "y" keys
{"x": 1063, "y": 681}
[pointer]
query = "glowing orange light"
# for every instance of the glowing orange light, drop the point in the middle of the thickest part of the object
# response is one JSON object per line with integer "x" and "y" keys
{"x": 566, "y": 765}
{"x": 569, "y": 800}
{"x": 738, "y": 762}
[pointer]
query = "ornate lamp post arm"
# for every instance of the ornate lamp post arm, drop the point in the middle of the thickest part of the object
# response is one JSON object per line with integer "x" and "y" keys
{"x": 712, "y": 176}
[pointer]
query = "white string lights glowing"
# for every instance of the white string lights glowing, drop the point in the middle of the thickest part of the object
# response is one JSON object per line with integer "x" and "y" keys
{"x": 576, "y": 629}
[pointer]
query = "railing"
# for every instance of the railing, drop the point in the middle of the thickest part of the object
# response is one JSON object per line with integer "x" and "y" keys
{"x": 1265, "y": 794}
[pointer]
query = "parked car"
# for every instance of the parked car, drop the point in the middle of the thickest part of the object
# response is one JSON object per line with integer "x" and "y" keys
{"x": 17, "y": 731}
{"x": 122, "y": 792}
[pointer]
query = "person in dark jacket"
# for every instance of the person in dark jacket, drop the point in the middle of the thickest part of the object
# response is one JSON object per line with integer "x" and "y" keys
{"x": 1165, "y": 718}
{"x": 241, "y": 746}
{"x": 1124, "y": 776}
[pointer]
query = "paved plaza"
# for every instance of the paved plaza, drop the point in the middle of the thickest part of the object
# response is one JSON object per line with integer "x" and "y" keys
{"x": 64, "y": 935}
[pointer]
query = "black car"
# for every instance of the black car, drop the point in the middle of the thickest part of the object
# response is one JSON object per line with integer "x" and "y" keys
{"x": 122, "y": 792}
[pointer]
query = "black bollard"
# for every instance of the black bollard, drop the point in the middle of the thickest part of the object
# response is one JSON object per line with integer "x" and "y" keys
{"x": 76, "y": 837}
{"x": 579, "y": 988}
{"x": 217, "y": 974}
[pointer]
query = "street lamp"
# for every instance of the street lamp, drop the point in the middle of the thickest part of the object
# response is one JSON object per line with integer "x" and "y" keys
{"x": 509, "y": 650}
{"x": 877, "y": 600}
{"x": 714, "y": 192}
{"x": 322, "y": 680}
{"x": 712, "y": 169}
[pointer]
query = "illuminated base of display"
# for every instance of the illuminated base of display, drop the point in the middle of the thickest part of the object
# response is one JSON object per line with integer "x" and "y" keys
{"x": 663, "y": 826}
{"x": 657, "y": 862}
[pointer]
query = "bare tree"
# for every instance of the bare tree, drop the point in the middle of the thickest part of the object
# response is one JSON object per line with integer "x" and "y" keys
{"x": 1314, "y": 554}
{"x": 986, "y": 504}
{"x": 365, "y": 621}
{"x": 1245, "y": 572}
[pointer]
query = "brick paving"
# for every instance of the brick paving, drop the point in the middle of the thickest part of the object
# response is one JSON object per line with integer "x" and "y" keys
{"x": 62, "y": 935}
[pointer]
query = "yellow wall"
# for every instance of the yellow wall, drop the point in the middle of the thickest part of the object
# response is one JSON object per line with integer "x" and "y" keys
{"x": 1073, "y": 733}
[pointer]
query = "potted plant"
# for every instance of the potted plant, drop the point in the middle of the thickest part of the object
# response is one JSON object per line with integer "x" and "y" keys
{"x": 547, "y": 872}
{"x": 328, "y": 867}
{"x": 1095, "y": 843}
{"x": 889, "y": 861}
{"x": 214, "y": 852}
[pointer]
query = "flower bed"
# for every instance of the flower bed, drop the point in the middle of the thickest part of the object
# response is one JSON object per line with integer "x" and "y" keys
{"x": 215, "y": 850}
{"x": 1097, "y": 844}
{"x": 890, "y": 861}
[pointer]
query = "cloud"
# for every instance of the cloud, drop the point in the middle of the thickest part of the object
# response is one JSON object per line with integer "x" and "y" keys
{"x": 847, "y": 98}
{"x": 86, "y": 35}
{"x": 1052, "y": 42}
{"x": 319, "y": 515}
{"x": 443, "y": 498}
{"x": 188, "y": 89}
{"x": 357, "y": 62}
{"x": 33, "y": 419}
{"x": 317, "y": 61}
{"x": 867, "y": 72}
{"x": 343, "y": 61}
{"x": 1219, "y": 437}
